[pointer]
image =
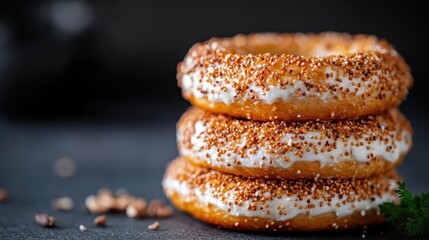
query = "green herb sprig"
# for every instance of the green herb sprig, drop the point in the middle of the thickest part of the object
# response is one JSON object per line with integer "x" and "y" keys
{"x": 412, "y": 214}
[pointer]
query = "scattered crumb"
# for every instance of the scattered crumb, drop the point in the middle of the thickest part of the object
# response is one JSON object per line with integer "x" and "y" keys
{"x": 3, "y": 195}
{"x": 164, "y": 211}
{"x": 158, "y": 209}
{"x": 63, "y": 204}
{"x": 92, "y": 205}
{"x": 154, "y": 226}
{"x": 45, "y": 220}
{"x": 106, "y": 200}
{"x": 65, "y": 167}
{"x": 131, "y": 211}
{"x": 82, "y": 228}
{"x": 123, "y": 202}
{"x": 100, "y": 221}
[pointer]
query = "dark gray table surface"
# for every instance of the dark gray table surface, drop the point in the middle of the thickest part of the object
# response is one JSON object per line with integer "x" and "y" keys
{"x": 132, "y": 155}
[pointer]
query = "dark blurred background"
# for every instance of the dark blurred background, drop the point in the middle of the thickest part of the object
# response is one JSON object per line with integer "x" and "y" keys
{"x": 117, "y": 59}
{"x": 94, "y": 82}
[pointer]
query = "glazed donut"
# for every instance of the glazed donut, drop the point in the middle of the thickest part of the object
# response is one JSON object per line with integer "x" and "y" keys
{"x": 294, "y": 77}
{"x": 294, "y": 150}
{"x": 241, "y": 203}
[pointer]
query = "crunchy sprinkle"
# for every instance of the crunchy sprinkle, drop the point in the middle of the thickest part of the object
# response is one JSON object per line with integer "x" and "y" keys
{"x": 154, "y": 226}
{"x": 229, "y": 135}
{"x": 246, "y": 189}
{"x": 375, "y": 70}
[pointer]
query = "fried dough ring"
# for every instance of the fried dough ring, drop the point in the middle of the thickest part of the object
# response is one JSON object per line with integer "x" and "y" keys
{"x": 295, "y": 150}
{"x": 294, "y": 77}
{"x": 240, "y": 203}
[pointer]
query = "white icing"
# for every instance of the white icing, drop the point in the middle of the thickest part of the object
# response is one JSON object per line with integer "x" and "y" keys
{"x": 262, "y": 158}
{"x": 286, "y": 203}
{"x": 179, "y": 187}
{"x": 200, "y": 89}
{"x": 255, "y": 160}
{"x": 200, "y": 85}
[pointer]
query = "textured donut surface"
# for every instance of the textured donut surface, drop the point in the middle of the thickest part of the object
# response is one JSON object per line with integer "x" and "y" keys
{"x": 291, "y": 150}
{"x": 294, "y": 76}
{"x": 242, "y": 203}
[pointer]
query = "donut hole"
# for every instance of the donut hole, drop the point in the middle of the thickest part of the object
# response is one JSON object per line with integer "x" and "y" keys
{"x": 306, "y": 45}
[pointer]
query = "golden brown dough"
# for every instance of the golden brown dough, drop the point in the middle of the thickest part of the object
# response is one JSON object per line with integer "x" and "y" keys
{"x": 294, "y": 77}
{"x": 295, "y": 150}
{"x": 192, "y": 189}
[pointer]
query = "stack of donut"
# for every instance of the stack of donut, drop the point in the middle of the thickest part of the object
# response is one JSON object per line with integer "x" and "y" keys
{"x": 290, "y": 132}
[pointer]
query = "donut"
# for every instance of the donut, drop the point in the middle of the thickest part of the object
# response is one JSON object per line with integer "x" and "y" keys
{"x": 295, "y": 150}
{"x": 240, "y": 203}
{"x": 294, "y": 77}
